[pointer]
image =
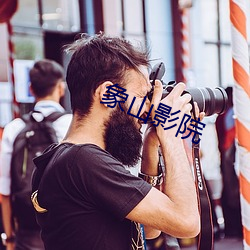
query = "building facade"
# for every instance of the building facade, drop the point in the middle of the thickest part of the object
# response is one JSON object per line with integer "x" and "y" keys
{"x": 194, "y": 42}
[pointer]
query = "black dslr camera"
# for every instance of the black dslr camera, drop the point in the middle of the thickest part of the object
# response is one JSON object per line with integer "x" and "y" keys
{"x": 210, "y": 101}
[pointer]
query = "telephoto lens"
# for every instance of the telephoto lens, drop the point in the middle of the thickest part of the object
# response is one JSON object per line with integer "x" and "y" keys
{"x": 210, "y": 101}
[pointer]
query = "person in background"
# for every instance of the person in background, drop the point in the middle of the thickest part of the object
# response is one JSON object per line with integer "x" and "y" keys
{"x": 210, "y": 162}
{"x": 47, "y": 86}
{"x": 225, "y": 126}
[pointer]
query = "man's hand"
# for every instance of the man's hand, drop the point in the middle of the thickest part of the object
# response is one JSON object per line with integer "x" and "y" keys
{"x": 198, "y": 114}
{"x": 176, "y": 101}
{"x": 152, "y": 137}
{"x": 175, "y": 209}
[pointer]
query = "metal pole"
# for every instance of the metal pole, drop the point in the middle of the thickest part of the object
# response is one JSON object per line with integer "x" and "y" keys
{"x": 40, "y": 12}
{"x": 87, "y": 16}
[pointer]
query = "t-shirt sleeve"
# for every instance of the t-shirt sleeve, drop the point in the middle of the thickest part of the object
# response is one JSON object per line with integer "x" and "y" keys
{"x": 108, "y": 184}
{"x": 10, "y": 133}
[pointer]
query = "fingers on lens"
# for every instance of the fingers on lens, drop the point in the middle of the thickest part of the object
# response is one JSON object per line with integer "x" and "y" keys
{"x": 186, "y": 98}
{"x": 178, "y": 89}
{"x": 197, "y": 111}
{"x": 187, "y": 108}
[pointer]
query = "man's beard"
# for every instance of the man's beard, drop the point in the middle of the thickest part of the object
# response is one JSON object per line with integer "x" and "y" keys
{"x": 122, "y": 137}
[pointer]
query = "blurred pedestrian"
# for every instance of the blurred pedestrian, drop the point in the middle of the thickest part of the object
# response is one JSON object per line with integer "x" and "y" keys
{"x": 47, "y": 85}
{"x": 225, "y": 126}
{"x": 210, "y": 161}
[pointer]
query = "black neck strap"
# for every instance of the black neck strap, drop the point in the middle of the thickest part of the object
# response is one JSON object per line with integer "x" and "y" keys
{"x": 205, "y": 238}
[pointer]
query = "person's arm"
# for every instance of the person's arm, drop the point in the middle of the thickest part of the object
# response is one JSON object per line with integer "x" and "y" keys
{"x": 7, "y": 221}
{"x": 149, "y": 166}
{"x": 9, "y": 134}
{"x": 175, "y": 211}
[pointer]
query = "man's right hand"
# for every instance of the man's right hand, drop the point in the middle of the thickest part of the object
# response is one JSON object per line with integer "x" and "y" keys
{"x": 177, "y": 102}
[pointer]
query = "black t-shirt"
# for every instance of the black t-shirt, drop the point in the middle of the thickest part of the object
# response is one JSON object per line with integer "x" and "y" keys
{"x": 88, "y": 194}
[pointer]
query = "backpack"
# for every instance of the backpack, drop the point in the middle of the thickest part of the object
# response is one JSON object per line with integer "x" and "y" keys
{"x": 37, "y": 135}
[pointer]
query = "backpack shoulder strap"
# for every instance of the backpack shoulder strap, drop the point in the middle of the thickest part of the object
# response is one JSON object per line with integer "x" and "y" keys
{"x": 54, "y": 116}
{"x": 26, "y": 117}
{"x": 50, "y": 118}
{"x": 47, "y": 127}
{"x": 29, "y": 120}
{"x": 45, "y": 124}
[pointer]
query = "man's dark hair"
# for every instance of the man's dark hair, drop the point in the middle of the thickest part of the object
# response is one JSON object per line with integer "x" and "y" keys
{"x": 97, "y": 59}
{"x": 44, "y": 76}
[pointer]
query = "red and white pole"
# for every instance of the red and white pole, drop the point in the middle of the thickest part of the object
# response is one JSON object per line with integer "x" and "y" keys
{"x": 241, "y": 95}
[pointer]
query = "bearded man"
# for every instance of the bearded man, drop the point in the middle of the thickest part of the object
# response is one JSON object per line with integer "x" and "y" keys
{"x": 84, "y": 196}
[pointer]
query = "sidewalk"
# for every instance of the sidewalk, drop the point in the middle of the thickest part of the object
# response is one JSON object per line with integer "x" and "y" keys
{"x": 223, "y": 244}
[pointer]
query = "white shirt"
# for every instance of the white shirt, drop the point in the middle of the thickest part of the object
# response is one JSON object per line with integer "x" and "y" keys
{"x": 210, "y": 159}
{"x": 11, "y": 131}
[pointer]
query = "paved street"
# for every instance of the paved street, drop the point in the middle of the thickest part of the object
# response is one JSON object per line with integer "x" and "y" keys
{"x": 223, "y": 244}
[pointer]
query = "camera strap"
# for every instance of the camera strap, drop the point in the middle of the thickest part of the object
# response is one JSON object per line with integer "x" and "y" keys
{"x": 205, "y": 238}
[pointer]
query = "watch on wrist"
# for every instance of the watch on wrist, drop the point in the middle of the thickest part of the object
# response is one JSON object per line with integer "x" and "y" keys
{"x": 6, "y": 239}
{"x": 151, "y": 179}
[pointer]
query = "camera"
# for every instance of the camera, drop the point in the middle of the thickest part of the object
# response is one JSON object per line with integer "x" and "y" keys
{"x": 210, "y": 101}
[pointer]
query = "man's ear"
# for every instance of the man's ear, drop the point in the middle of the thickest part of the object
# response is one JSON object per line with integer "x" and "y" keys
{"x": 62, "y": 88}
{"x": 101, "y": 92}
{"x": 31, "y": 90}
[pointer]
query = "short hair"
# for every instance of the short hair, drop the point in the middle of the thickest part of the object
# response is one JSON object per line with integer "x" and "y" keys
{"x": 44, "y": 76}
{"x": 96, "y": 59}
